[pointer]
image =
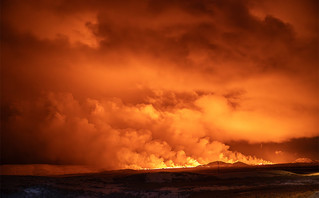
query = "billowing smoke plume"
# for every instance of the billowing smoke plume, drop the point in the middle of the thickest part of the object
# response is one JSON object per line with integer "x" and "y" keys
{"x": 146, "y": 84}
{"x": 59, "y": 128}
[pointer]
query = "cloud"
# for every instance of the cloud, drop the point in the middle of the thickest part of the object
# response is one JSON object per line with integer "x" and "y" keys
{"x": 58, "y": 128}
{"x": 153, "y": 83}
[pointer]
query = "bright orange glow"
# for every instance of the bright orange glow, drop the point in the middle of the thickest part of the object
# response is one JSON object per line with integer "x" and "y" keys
{"x": 158, "y": 84}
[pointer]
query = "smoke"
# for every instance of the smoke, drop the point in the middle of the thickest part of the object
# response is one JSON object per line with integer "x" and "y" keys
{"x": 57, "y": 128}
{"x": 153, "y": 84}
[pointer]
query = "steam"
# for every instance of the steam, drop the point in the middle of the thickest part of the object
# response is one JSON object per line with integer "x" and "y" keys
{"x": 154, "y": 84}
{"x": 111, "y": 134}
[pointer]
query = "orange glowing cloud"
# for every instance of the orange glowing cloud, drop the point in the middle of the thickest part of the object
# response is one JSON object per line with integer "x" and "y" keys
{"x": 152, "y": 84}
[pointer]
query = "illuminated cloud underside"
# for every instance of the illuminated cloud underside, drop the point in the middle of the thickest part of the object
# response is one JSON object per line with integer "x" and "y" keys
{"x": 151, "y": 84}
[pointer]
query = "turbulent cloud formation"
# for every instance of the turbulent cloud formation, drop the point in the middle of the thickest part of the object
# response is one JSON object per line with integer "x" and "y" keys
{"x": 146, "y": 84}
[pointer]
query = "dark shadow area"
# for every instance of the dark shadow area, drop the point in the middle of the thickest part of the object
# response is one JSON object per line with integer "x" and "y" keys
{"x": 284, "y": 180}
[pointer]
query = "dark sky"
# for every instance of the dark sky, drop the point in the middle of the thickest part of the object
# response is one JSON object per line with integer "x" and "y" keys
{"x": 150, "y": 84}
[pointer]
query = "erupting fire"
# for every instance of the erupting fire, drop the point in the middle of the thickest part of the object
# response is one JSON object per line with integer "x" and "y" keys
{"x": 158, "y": 84}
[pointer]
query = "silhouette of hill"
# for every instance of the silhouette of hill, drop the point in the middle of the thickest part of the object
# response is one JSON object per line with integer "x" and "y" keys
{"x": 240, "y": 164}
{"x": 304, "y": 160}
{"x": 223, "y": 164}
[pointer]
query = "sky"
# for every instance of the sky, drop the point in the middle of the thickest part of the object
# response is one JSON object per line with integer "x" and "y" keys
{"x": 153, "y": 84}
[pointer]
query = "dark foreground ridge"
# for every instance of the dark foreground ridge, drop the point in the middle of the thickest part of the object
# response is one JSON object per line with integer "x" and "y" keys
{"x": 239, "y": 180}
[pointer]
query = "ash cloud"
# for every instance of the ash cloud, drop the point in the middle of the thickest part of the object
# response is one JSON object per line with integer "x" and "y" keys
{"x": 154, "y": 83}
{"x": 57, "y": 128}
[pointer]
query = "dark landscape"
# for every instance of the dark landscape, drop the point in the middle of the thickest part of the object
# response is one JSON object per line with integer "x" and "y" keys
{"x": 217, "y": 179}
